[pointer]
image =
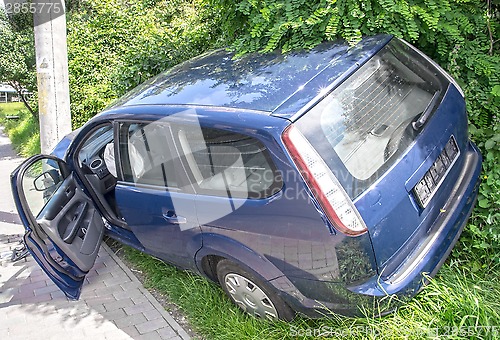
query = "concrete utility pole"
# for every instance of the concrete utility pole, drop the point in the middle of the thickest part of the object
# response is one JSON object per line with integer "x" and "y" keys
{"x": 52, "y": 72}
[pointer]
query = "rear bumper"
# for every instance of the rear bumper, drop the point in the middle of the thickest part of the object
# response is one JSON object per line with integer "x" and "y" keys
{"x": 373, "y": 295}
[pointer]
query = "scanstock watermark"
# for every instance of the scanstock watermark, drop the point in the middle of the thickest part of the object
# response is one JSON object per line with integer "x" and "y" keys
{"x": 488, "y": 332}
{"x": 43, "y": 10}
{"x": 231, "y": 194}
{"x": 187, "y": 151}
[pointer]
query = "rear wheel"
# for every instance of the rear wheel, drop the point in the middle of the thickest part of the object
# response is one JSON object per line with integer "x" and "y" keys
{"x": 251, "y": 294}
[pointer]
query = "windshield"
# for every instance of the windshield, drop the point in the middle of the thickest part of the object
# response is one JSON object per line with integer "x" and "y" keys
{"x": 368, "y": 120}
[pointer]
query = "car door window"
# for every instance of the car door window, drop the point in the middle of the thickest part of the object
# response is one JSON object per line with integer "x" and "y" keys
{"x": 39, "y": 182}
{"x": 228, "y": 164}
{"x": 146, "y": 154}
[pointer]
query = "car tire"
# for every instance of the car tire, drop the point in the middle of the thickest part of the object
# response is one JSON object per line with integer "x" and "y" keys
{"x": 251, "y": 294}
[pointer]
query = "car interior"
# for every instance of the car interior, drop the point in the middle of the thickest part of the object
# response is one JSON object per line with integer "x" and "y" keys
{"x": 95, "y": 170}
{"x": 146, "y": 160}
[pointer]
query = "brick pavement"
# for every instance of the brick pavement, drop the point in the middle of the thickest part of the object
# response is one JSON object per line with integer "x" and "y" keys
{"x": 113, "y": 304}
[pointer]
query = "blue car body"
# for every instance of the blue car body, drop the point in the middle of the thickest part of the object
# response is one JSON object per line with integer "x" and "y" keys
{"x": 285, "y": 238}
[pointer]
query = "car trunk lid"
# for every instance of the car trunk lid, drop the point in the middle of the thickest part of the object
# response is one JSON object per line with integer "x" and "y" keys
{"x": 401, "y": 207}
{"x": 396, "y": 127}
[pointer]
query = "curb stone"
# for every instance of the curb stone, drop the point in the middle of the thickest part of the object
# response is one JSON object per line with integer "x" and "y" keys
{"x": 171, "y": 321}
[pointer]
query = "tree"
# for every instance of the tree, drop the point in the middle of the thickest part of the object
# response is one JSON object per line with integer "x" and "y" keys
{"x": 17, "y": 57}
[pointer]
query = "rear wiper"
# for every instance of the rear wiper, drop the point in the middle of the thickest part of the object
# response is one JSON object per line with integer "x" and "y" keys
{"x": 426, "y": 113}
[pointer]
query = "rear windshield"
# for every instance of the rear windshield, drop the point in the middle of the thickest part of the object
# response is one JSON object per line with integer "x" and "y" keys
{"x": 367, "y": 120}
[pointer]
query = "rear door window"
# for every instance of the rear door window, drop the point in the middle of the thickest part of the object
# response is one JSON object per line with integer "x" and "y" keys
{"x": 225, "y": 163}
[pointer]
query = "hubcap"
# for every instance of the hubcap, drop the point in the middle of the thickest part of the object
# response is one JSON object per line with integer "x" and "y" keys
{"x": 250, "y": 297}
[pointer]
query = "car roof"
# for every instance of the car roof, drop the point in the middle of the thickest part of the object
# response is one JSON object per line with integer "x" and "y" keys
{"x": 275, "y": 83}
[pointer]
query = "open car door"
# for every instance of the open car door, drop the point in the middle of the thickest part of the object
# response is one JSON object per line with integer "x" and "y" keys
{"x": 63, "y": 228}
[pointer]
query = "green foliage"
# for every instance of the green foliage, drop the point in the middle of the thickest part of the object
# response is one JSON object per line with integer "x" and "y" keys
{"x": 175, "y": 31}
{"x": 23, "y": 132}
{"x": 9, "y": 109}
{"x": 481, "y": 239}
{"x": 98, "y": 34}
{"x": 113, "y": 46}
{"x": 475, "y": 62}
{"x": 17, "y": 55}
{"x": 454, "y": 305}
{"x": 296, "y": 24}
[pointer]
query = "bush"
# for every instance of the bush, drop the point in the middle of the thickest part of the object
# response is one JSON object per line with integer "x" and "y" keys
{"x": 113, "y": 46}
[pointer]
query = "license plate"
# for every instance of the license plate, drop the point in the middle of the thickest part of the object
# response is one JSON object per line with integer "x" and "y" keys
{"x": 427, "y": 187}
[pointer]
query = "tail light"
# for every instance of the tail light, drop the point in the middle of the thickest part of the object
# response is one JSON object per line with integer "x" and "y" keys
{"x": 323, "y": 184}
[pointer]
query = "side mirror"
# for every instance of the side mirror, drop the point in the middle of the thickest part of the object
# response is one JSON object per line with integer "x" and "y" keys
{"x": 47, "y": 180}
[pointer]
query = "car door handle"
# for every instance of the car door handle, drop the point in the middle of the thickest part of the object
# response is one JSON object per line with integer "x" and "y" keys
{"x": 171, "y": 217}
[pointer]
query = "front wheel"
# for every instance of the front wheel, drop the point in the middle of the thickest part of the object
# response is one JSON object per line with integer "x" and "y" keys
{"x": 251, "y": 294}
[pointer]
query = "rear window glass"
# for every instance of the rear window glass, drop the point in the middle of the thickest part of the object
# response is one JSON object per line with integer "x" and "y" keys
{"x": 367, "y": 120}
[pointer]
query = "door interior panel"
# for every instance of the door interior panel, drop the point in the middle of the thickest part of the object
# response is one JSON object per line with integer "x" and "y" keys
{"x": 70, "y": 220}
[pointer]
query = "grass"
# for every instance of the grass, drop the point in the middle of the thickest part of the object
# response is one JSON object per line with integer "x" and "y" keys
{"x": 456, "y": 304}
{"x": 10, "y": 109}
{"x": 23, "y": 132}
{"x": 461, "y": 302}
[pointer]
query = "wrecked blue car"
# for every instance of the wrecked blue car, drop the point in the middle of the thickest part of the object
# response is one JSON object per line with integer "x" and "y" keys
{"x": 314, "y": 182}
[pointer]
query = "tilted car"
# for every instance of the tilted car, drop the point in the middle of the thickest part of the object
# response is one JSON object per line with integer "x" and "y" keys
{"x": 318, "y": 181}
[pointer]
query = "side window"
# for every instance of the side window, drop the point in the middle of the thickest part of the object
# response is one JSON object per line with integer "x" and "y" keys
{"x": 228, "y": 164}
{"x": 146, "y": 154}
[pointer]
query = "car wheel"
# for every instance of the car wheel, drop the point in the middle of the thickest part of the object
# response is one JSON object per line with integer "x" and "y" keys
{"x": 251, "y": 294}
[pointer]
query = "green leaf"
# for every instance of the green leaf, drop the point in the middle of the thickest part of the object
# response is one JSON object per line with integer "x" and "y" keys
{"x": 484, "y": 203}
{"x": 490, "y": 144}
{"x": 496, "y": 90}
